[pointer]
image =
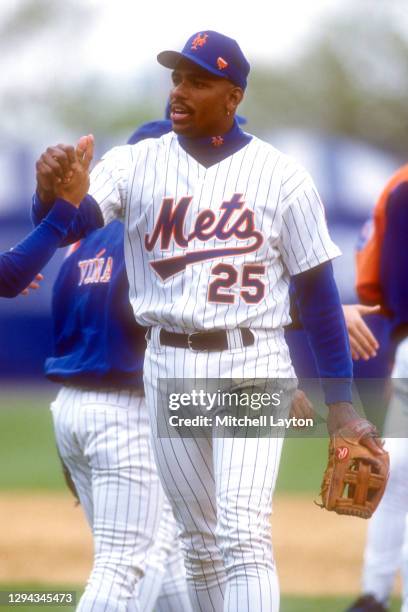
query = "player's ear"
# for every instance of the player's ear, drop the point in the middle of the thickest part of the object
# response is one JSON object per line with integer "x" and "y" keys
{"x": 235, "y": 96}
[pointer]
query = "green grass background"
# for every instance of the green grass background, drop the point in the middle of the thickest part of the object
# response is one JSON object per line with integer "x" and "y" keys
{"x": 29, "y": 462}
{"x": 28, "y": 454}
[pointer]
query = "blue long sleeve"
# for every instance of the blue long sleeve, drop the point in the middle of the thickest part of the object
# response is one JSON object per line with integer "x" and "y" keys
{"x": 394, "y": 260}
{"x": 323, "y": 320}
{"x": 19, "y": 266}
{"x": 88, "y": 219}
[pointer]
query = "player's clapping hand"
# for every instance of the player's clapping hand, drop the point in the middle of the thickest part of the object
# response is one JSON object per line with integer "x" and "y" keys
{"x": 63, "y": 171}
{"x": 363, "y": 343}
{"x": 75, "y": 184}
{"x": 53, "y": 166}
{"x": 35, "y": 284}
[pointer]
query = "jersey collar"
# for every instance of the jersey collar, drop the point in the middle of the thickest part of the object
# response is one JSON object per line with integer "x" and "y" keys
{"x": 211, "y": 150}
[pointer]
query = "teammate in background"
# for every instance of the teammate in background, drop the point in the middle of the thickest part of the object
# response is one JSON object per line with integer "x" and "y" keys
{"x": 382, "y": 264}
{"x": 102, "y": 432}
{"x": 216, "y": 223}
{"x": 20, "y": 265}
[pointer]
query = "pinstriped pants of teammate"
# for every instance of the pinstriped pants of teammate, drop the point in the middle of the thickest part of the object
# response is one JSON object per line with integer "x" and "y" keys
{"x": 387, "y": 537}
{"x": 104, "y": 439}
{"x": 221, "y": 489}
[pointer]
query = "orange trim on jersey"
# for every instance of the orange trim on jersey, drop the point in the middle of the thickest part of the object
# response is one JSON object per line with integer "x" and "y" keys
{"x": 368, "y": 259}
{"x": 73, "y": 247}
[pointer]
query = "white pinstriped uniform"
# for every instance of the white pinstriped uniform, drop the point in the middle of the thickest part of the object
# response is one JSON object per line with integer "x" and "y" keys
{"x": 220, "y": 490}
{"x": 103, "y": 439}
{"x": 386, "y": 550}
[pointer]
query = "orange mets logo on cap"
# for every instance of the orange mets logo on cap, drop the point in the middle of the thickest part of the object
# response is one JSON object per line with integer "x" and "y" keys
{"x": 221, "y": 63}
{"x": 199, "y": 41}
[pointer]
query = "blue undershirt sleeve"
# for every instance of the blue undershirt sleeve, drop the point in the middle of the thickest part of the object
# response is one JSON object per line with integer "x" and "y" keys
{"x": 322, "y": 317}
{"x": 19, "y": 266}
{"x": 88, "y": 219}
{"x": 394, "y": 259}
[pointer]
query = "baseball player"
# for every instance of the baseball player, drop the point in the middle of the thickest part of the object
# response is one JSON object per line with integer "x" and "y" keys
{"x": 102, "y": 432}
{"x": 381, "y": 275}
{"x": 20, "y": 265}
{"x": 216, "y": 221}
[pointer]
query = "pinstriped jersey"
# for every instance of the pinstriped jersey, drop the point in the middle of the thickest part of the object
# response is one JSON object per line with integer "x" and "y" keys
{"x": 212, "y": 248}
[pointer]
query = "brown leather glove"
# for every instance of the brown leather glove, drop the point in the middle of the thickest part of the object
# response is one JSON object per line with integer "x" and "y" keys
{"x": 355, "y": 478}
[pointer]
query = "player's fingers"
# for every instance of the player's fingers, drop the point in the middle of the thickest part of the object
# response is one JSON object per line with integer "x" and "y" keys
{"x": 367, "y": 310}
{"x": 301, "y": 406}
{"x": 80, "y": 147}
{"x": 48, "y": 173}
{"x": 35, "y": 283}
{"x": 362, "y": 342}
{"x": 354, "y": 347}
{"x": 53, "y": 166}
{"x": 307, "y": 408}
{"x": 357, "y": 350}
{"x": 90, "y": 150}
{"x": 63, "y": 154}
{"x": 69, "y": 152}
{"x": 85, "y": 150}
{"x": 375, "y": 445}
{"x": 369, "y": 338}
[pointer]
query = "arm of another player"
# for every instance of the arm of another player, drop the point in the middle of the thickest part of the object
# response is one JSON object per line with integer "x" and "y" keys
{"x": 307, "y": 250}
{"x": 363, "y": 343}
{"x": 35, "y": 284}
{"x": 322, "y": 317}
{"x": 108, "y": 191}
{"x": 19, "y": 266}
{"x": 394, "y": 260}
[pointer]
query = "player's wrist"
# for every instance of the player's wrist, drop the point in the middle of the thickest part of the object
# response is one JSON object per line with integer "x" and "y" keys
{"x": 340, "y": 413}
{"x": 74, "y": 201}
{"x": 46, "y": 197}
{"x": 341, "y": 406}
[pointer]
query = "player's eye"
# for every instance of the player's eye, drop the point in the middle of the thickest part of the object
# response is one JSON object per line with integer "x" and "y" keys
{"x": 176, "y": 78}
{"x": 199, "y": 84}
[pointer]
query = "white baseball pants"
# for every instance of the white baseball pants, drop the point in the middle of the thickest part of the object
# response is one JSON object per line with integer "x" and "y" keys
{"x": 221, "y": 489}
{"x": 104, "y": 440}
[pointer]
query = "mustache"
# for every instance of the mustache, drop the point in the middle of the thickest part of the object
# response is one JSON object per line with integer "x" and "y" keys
{"x": 175, "y": 104}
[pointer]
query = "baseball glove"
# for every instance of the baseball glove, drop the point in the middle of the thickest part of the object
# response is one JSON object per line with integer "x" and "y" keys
{"x": 355, "y": 478}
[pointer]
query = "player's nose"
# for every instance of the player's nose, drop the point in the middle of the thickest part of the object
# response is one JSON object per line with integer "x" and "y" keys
{"x": 179, "y": 91}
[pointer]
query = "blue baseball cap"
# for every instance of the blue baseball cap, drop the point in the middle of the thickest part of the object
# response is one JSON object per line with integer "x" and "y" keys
{"x": 215, "y": 52}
